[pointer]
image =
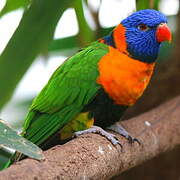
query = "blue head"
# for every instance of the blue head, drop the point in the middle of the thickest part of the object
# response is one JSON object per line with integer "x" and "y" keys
{"x": 144, "y": 32}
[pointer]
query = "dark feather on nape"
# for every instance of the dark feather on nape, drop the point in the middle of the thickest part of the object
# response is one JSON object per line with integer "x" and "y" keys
{"x": 109, "y": 40}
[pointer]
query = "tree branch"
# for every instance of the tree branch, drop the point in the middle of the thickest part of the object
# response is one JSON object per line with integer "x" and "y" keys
{"x": 93, "y": 157}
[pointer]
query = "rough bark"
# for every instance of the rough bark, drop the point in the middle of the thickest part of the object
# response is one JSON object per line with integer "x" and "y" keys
{"x": 165, "y": 166}
{"x": 93, "y": 157}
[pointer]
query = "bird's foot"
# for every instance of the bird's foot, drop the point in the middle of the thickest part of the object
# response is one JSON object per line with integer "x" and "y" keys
{"x": 97, "y": 130}
{"x": 120, "y": 130}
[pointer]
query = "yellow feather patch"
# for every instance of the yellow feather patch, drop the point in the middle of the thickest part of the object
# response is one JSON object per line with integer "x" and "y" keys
{"x": 79, "y": 123}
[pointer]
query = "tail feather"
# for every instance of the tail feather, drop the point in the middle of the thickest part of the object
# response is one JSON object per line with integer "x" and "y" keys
{"x": 43, "y": 125}
{"x": 39, "y": 127}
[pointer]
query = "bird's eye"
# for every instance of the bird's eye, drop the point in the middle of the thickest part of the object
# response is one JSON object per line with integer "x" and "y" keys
{"x": 143, "y": 27}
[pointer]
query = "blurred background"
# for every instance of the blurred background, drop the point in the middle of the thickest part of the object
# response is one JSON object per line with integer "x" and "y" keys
{"x": 37, "y": 36}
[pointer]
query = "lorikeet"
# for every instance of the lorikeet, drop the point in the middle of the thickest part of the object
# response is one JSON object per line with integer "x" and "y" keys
{"x": 91, "y": 90}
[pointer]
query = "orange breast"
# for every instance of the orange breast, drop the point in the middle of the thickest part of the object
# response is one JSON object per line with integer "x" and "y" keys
{"x": 122, "y": 77}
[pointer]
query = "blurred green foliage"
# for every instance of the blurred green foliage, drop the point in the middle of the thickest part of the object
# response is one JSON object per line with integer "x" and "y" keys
{"x": 32, "y": 36}
{"x": 12, "y": 5}
{"x": 151, "y": 4}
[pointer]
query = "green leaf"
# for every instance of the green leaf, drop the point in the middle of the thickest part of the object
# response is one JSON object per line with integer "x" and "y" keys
{"x": 32, "y": 36}
{"x": 71, "y": 42}
{"x": 12, "y": 5}
{"x": 9, "y": 138}
{"x": 156, "y": 4}
{"x": 141, "y": 4}
{"x": 5, "y": 157}
{"x": 86, "y": 34}
{"x": 64, "y": 43}
{"x": 152, "y": 4}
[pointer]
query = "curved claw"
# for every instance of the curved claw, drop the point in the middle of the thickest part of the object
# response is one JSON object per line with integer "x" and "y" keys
{"x": 120, "y": 130}
{"x": 95, "y": 129}
{"x": 132, "y": 140}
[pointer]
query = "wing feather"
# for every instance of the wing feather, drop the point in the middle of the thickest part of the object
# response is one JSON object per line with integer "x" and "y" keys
{"x": 71, "y": 87}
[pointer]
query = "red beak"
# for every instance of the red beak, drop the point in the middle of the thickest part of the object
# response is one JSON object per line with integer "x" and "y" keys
{"x": 163, "y": 33}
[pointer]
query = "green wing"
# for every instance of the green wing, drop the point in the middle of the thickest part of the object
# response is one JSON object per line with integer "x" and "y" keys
{"x": 71, "y": 87}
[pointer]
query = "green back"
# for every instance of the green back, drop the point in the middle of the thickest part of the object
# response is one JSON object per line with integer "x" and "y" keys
{"x": 71, "y": 87}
